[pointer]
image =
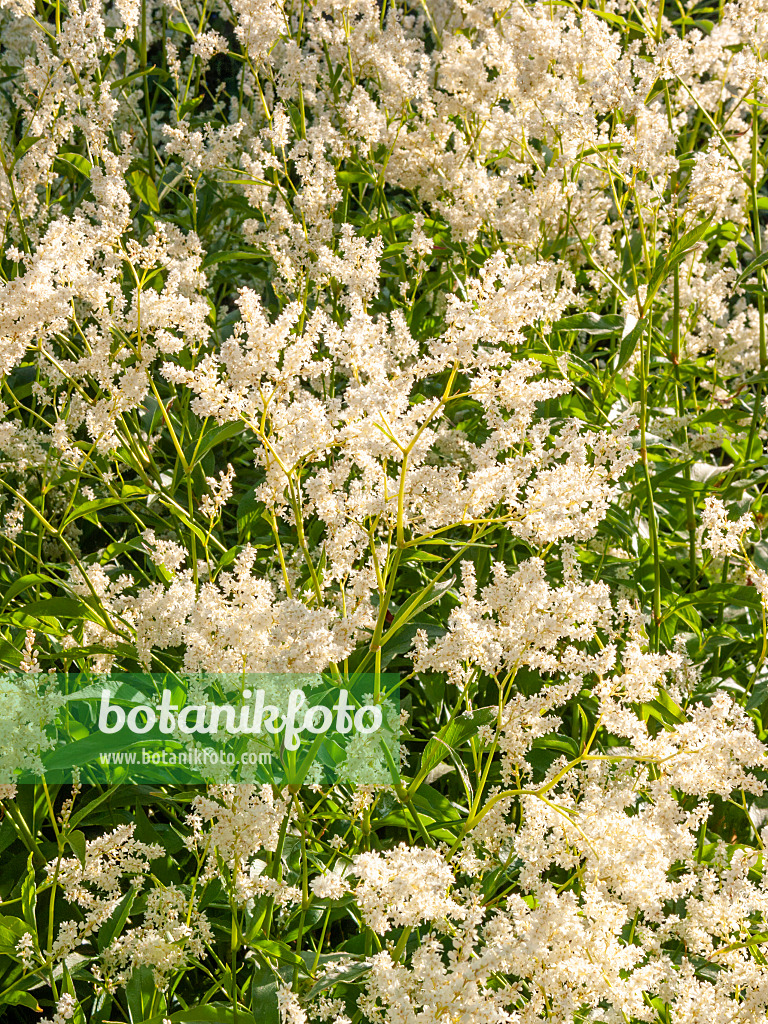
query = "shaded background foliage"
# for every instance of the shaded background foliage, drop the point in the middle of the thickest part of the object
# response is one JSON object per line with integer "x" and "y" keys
{"x": 666, "y": 318}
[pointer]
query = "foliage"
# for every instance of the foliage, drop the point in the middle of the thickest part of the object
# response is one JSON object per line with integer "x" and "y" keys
{"x": 424, "y": 339}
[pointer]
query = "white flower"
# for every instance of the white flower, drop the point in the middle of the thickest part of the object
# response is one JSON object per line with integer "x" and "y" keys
{"x": 724, "y": 535}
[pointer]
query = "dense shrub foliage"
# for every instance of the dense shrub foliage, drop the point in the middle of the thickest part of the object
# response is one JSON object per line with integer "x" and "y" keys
{"x": 426, "y": 339}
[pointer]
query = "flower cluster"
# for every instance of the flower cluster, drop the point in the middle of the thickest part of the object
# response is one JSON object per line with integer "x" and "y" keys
{"x": 423, "y": 340}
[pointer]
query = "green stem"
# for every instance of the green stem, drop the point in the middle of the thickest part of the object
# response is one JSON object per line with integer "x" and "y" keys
{"x": 651, "y": 509}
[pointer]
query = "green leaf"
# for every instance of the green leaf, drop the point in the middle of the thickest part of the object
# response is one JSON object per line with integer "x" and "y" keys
{"x": 669, "y": 707}
{"x": 354, "y": 177}
{"x": 84, "y": 752}
{"x": 11, "y": 930}
{"x": 709, "y": 644}
{"x": 561, "y": 744}
{"x": 114, "y": 925}
{"x": 278, "y": 951}
{"x": 179, "y": 513}
{"x": 235, "y": 254}
{"x": 87, "y": 809}
{"x": 614, "y": 19}
{"x": 249, "y": 509}
{"x": 145, "y": 189}
{"x": 179, "y": 26}
{"x": 739, "y": 507}
{"x": 395, "y": 249}
{"x": 404, "y": 641}
{"x": 22, "y": 583}
{"x": 26, "y": 144}
{"x": 76, "y": 840}
{"x": 431, "y": 801}
{"x": 61, "y": 608}
{"x": 422, "y": 556}
{"x": 629, "y": 339}
{"x": 452, "y": 735}
{"x": 727, "y": 594}
{"x": 591, "y": 323}
{"x": 760, "y": 555}
{"x": 211, "y": 1013}
{"x": 420, "y": 601}
{"x": 684, "y": 244}
{"x": 89, "y": 507}
{"x": 29, "y": 895}
{"x": 333, "y": 977}
{"x": 264, "y": 999}
{"x": 748, "y": 271}
{"x": 689, "y": 616}
{"x": 213, "y": 437}
{"x": 759, "y": 696}
{"x": 757, "y": 938}
{"x": 140, "y": 993}
{"x": 75, "y": 161}
{"x": 678, "y": 252}
{"x": 159, "y": 73}
{"x": 18, "y": 997}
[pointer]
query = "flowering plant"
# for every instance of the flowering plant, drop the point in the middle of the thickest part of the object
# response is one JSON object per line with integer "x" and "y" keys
{"x": 423, "y": 338}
